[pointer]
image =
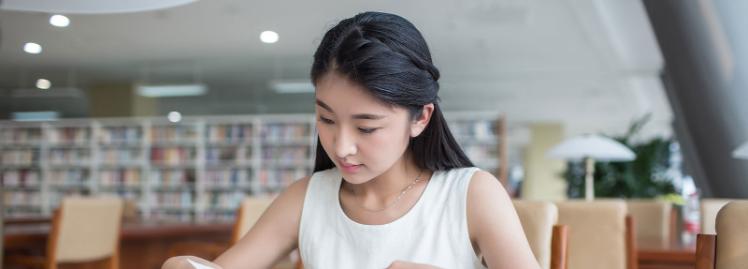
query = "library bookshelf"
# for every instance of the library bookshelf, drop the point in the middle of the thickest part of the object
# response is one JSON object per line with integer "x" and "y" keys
{"x": 196, "y": 170}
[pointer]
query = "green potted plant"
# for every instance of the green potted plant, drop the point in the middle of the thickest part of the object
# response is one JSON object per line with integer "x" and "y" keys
{"x": 644, "y": 177}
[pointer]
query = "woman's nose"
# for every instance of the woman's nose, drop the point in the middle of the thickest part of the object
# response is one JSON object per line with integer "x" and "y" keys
{"x": 345, "y": 144}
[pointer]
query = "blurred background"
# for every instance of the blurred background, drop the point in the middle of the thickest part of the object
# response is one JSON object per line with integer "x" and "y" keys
{"x": 186, "y": 108}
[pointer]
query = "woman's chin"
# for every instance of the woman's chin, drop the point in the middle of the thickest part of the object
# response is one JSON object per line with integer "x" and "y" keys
{"x": 357, "y": 177}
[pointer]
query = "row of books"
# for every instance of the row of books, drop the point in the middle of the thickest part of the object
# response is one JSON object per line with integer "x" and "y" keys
{"x": 272, "y": 180}
{"x": 20, "y": 178}
{"x": 22, "y": 199}
{"x": 225, "y": 200}
{"x": 121, "y": 156}
{"x": 172, "y": 178}
{"x": 121, "y": 134}
{"x": 69, "y": 135}
{"x": 284, "y": 132}
{"x": 173, "y": 200}
{"x": 214, "y": 155}
{"x": 127, "y": 194}
{"x": 20, "y": 157}
{"x": 285, "y": 154}
{"x": 69, "y": 156}
{"x": 233, "y": 133}
{"x": 227, "y": 178}
{"x": 175, "y": 133}
{"x": 20, "y": 135}
{"x": 173, "y": 155}
{"x": 124, "y": 177}
{"x": 69, "y": 177}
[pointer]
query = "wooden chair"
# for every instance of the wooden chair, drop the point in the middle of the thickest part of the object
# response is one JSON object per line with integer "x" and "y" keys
{"x": 547, "y": 239}
{"x": 728, "y": 248}
{"x": 601, "y": 235}
{"x": 655, "y": 221}
{"x": 84, "y": 230}
{"x": 709, "y": 208}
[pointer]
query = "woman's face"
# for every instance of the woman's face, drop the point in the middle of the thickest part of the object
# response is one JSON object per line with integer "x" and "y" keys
{"x": 362, "y": 135}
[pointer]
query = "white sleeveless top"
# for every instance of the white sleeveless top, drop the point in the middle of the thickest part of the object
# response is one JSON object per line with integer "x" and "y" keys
{"x": 433, "y": 232}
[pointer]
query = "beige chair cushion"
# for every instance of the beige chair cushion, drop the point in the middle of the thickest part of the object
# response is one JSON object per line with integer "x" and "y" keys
{"x": 652, "y": 221}
{"x": 537, "y": 220}
{"x": 251, "y": 210}
{"x": 597, "y": 233}
{"x": 709, "y": 209}
{"x": 89, "y": 228}
{"x": 732, "y": 236}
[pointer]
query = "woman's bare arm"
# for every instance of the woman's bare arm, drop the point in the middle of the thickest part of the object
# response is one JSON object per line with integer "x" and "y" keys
{"x": 494, "y": 225}
{"x": 271, "y": 238}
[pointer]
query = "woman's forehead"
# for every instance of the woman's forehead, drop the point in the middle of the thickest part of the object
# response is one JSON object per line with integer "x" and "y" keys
{"x": 340, "y": 94}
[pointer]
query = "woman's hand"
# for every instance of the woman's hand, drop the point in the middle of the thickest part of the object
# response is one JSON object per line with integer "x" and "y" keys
{"x": 180, "y": 262}
{"x": 410, "y": 265}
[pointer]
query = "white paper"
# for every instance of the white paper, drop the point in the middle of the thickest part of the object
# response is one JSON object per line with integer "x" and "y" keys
{"x": 198, "y": 265}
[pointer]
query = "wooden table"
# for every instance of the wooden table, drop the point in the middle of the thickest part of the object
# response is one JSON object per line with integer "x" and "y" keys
{"x": 146, "y": 245}
{"x": 143, "y": 245}
{"x": 671, "y": 255}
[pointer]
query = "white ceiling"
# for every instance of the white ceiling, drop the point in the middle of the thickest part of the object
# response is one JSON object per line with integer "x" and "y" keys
{"x": 591, "y": 64}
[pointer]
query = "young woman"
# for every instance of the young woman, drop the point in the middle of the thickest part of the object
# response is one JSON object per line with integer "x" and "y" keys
{"x": 391, "y": 188}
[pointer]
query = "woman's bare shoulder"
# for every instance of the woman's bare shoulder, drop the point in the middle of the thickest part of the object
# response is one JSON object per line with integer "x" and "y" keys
{"x": 293, "y": 195}
{"x": 298, "y": 188}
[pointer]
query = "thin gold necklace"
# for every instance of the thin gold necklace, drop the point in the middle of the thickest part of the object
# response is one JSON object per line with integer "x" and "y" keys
{"x": 400, "y": 196}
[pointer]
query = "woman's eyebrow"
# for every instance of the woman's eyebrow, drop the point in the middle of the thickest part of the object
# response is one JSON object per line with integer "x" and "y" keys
{"x": 363, "y": 116}
{"x": 368, "y": 117}
{"x": 325, "y": 106}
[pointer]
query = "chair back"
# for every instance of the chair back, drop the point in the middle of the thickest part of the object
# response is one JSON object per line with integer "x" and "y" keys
{"x": 538, "y": 219}
{"x": 654, "y": 221}
{"x": 709, "y": 209}
{"x": 597, "y": 234}
{"x": 86, "y": 229}
{"x": 732, "y": 236}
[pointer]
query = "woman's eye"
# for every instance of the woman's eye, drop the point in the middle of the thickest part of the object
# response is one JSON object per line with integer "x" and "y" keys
{"x": 326, "y": 120}
{"x": 367, "y": 130}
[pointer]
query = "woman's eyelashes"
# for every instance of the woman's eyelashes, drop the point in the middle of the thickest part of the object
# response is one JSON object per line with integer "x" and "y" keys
{"x": 367, "y": 130}
{"x": 360, "y": 129}
{"x": 325, "y": 120}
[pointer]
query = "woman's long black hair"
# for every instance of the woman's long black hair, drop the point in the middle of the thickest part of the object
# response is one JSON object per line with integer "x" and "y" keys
{"x": 388, "y": 56}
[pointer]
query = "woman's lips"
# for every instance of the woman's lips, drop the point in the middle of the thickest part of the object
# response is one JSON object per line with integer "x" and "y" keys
{"x": 350, "y": 168}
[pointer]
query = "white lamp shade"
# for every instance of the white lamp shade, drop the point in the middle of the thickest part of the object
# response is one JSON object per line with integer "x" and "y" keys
{"x": 90, "y": 6}
{"x": 741, "y": 152}
{"x": 597, "y": 147}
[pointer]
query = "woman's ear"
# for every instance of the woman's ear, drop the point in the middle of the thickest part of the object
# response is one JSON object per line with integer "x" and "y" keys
{"x": 420, "y": 123}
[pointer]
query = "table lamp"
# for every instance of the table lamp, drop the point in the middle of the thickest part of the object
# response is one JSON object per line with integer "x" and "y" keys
{"x": 591, "y": 148}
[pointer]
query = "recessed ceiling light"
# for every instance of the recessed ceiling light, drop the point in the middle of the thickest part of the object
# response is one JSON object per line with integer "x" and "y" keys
{"x": 43, "y": 84}
{"x": 59, "y": 21}
{"x": 292, "y": 86}
{"x": 32, "y": 48}
{"x": 174, "y": 116}
{"x": 171, "y": 90}
{"x": 269, "y": 37}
